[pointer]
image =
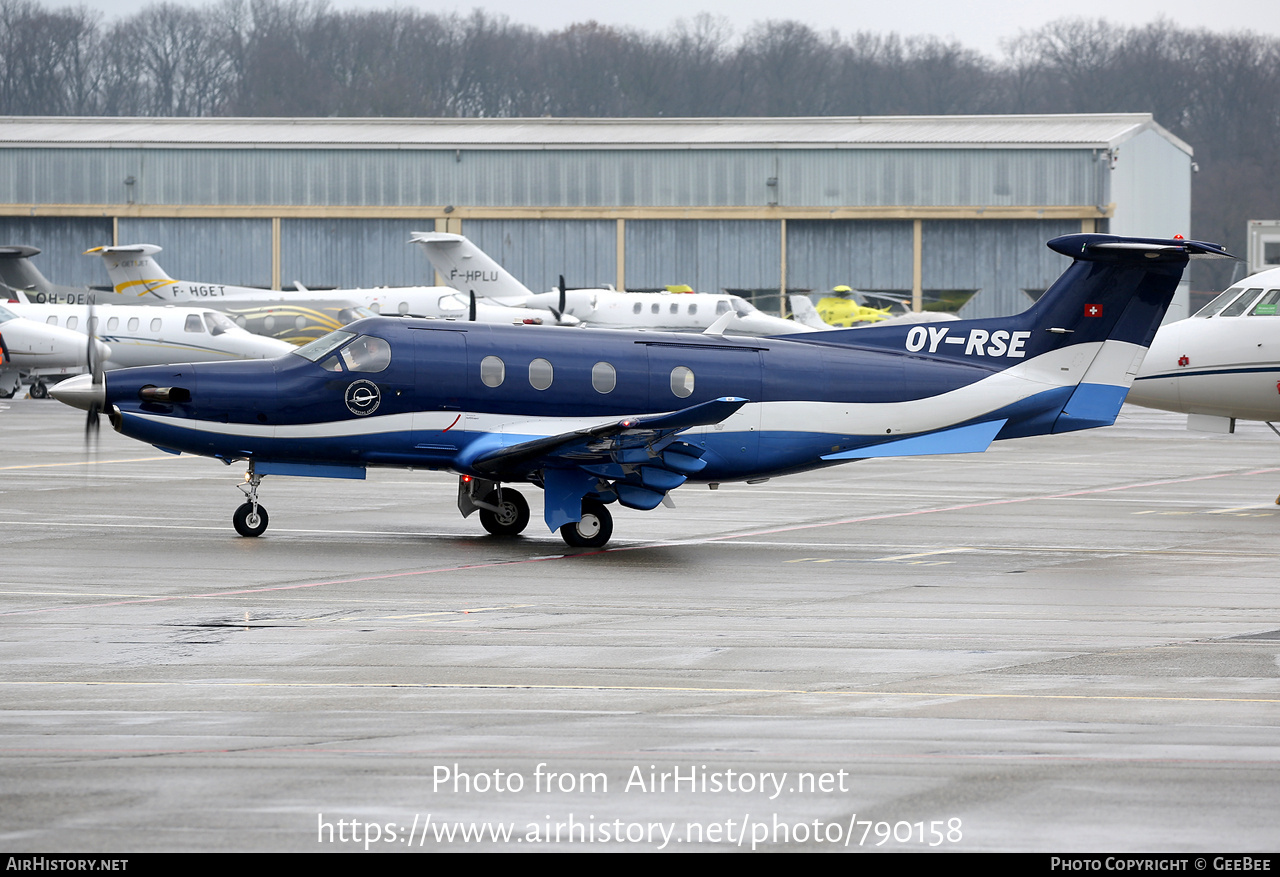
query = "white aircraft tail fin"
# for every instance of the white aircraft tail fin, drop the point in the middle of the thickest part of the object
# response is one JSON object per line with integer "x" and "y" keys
{"x": 133, "y": 271}
{"x": 17, "y": 271}
{"x": 805, "y": 313}
{"x": 466, "y": 267}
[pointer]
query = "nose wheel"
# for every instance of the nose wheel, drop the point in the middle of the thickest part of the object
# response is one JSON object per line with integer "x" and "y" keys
{"x": 250, "y": 519}
{"x": 593, "y": 531}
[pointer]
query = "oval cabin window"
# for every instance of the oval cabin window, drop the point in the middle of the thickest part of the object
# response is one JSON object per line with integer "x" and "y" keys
{"x": 603, "y": 377}
{"x": 540, "y": 374}
{"x": 682, "y": 381}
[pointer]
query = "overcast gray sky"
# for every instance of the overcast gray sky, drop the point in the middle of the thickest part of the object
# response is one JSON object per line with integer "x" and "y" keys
{"x": 980, "y": 24}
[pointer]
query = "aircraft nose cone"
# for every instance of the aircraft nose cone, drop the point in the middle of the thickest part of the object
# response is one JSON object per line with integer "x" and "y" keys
{"x": 81, "y": 392}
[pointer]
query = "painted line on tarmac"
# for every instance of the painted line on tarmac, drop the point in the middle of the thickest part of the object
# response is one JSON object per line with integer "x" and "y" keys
{"x": 96, "y": 462}
{"x": 954, "y": 508}
{"x": 294, "y": 587}
{"x": 676, "y": 689}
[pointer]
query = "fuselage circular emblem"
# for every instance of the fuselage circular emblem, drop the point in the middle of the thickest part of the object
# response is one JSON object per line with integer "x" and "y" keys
{"x": 363, "y": 397}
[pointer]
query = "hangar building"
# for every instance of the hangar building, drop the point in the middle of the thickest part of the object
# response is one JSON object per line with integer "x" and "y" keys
{"x": 950, "y": 208}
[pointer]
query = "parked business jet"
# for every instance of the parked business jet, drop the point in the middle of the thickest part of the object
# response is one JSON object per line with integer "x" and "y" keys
{"x": 466, "y": 267}
{"x": 134, "y": 270}
{"x": 594, "y": 417}
{"x": 1221, "y": 365}
{"x": 27, "y": 347}
{"x": 136, "y": 335}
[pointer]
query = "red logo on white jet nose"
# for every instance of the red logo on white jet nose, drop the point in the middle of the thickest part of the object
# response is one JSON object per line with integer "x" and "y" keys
{"x": 1184, "y": 360}
{"x": 1093, "y": 310}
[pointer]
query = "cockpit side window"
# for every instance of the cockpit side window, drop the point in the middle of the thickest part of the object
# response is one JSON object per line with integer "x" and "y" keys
{"x": 1266, "y": 306}
{"x": 448, "y": 304}
{"x": 1240, "y": 305}
{"x": 367, "y": 354}
{"x": 218, "y": 323}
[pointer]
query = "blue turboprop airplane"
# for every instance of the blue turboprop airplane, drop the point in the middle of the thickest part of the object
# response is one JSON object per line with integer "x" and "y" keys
{"x": 601, "y": 416}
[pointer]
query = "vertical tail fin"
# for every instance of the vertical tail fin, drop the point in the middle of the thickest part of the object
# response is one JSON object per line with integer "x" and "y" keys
{"x": 17, "y": 271}
{"x": 1090, "y": 330}
{"x": 465, "y": 266}
{"x": 133, "y": 271}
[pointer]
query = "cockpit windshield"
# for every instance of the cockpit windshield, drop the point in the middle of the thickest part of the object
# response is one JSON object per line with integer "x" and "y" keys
{"x": 324, "y": 344}
{"x": 1218, "y": 303}
{"x": 6, "y": 315}
{"x": 1242, "y": 304}
{"x": 363, "y": 353}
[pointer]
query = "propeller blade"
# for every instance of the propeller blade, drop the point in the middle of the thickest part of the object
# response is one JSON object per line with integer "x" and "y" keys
{"x": 93, "y": 359}
{"x": 472, "y": 316}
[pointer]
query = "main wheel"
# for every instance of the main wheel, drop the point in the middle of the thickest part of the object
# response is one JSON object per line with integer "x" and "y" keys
{"x": 39, "y": 390}
{"x": 512, "y": 515}
{"x": 593, "y": 531}
{"x": 249, "y": 522}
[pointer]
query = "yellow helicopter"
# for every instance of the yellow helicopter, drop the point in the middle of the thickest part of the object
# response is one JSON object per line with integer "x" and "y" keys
{"x": 841, "y": 309}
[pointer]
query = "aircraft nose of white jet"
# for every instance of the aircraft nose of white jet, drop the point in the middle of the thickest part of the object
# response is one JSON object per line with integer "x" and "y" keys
{"x": 262, "y": 347}
{"x": 80, "y": 392}
{"x": 103, "y": 350}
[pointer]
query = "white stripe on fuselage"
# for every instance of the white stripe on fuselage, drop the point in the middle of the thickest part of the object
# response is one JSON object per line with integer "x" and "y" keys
{"x": 1105, "y": 362}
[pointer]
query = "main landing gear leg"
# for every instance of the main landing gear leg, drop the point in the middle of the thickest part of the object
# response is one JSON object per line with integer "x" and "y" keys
{"x": 250, "y": 519}
{"x": 505, "y": 512}
{"x": 593, "y": 531}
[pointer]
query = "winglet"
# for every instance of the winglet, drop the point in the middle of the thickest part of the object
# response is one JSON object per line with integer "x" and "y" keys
{"x": 721, "y": 324}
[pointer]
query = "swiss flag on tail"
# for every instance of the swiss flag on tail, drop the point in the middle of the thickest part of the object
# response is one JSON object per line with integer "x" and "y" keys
{"x": 1093, "y": 310}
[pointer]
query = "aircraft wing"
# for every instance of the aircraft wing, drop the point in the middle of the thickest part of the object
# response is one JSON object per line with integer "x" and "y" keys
{"x": 635, "y": 460}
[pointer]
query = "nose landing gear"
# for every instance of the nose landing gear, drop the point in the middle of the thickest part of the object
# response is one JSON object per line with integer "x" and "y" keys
{"x": 250, "y": 518}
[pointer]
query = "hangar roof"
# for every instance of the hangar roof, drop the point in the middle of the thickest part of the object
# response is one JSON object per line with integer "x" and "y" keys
{"x": 1083, "y": 131}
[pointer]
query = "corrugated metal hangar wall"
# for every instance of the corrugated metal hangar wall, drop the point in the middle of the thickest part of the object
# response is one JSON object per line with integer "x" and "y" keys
{"x": 930, "y": 206}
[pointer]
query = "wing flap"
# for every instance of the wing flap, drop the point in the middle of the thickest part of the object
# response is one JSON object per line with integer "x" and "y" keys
{"x": 603, "y": 443}
{"x": 635, "y": 461}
